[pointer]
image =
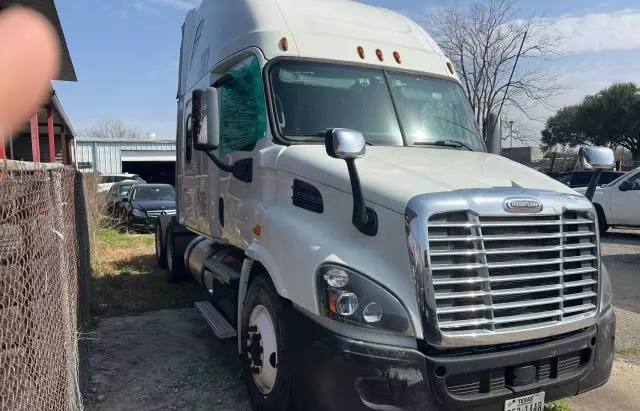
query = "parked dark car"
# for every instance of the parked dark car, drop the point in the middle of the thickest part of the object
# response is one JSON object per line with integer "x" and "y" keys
{"x": 144, "y": 203}
{"x": 582, "y": 178}
{"x": 116, "y": 193}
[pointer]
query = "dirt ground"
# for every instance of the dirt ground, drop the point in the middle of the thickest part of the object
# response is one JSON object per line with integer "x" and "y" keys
{"x": 620, "y": 393}
{"x": 163, "y": 360}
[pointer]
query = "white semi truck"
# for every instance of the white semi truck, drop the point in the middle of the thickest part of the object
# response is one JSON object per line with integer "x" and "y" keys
{"x": 337, "y": 202}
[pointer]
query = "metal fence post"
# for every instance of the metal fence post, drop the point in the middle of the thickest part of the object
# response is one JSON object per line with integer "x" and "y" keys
{"x": 83, "y": 262}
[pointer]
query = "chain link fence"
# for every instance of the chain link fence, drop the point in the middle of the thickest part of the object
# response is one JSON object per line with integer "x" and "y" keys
{"x": 47, "y": 221}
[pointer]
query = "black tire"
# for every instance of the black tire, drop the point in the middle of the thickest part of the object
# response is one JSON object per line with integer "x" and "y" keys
{"x": 603, "y": 226}
{"x": 161, "y": 258}
{"x": 261, "y": 293}
{"x": 175, "y": 266}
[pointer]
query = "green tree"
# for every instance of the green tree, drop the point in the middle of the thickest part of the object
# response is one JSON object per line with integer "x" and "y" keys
{"x": 610, "y": 117}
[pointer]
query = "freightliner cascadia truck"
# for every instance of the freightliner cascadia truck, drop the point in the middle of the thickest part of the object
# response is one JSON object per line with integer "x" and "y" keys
{"x": 356, "y": 236}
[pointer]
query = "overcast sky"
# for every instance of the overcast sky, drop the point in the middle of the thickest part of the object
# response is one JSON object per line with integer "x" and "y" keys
{"x": 125, "y": 54}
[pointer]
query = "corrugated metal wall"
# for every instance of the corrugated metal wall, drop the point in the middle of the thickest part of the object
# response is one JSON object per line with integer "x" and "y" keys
{"x": 104, "y": 156}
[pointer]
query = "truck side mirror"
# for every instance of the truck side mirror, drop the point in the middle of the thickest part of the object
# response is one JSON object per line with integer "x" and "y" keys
{"x": 205, "y": 102}
{"x": 494, "y": 133}
{"x": 345, "y": 144}
{"x": 597, "y": 159}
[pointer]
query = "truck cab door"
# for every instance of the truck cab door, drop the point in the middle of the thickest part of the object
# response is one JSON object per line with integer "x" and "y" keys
{"x": 243, "y": 122}
{"x": 625, "y": 201}
{"x": 199, "y": 182}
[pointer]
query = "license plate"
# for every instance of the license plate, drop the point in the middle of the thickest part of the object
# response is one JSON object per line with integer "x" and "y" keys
{"x": 532, "y": 402}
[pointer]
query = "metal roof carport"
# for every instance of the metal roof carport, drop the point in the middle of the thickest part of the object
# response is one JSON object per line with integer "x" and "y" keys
{"x": 145, "y": 156}
{"x": 48, "y": 134}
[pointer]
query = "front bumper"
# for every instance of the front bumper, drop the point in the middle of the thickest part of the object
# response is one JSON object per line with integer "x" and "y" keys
{"x": 143, "y": 223}
{"x": 334, "y": 372}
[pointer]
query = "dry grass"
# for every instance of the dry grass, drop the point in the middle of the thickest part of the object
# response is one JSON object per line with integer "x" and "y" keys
{"x": 127, "y": 279}
{"x": 629, "y": 351}
{"x": 560, "y": 405}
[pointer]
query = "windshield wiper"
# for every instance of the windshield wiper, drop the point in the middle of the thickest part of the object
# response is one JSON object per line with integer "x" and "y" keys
{"x": 444, "y": 143}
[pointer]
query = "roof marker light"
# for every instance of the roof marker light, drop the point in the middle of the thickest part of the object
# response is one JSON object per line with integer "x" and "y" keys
{"x": 379, "y": 54}
{"x": 284, "y": 44}
{"x": 396, "y": 56}
{"x": 361, "y": 52}
{"x": 450, "y": 67}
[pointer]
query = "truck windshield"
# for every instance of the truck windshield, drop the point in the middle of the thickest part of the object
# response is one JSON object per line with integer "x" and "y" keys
{"x": 310, "y": 97}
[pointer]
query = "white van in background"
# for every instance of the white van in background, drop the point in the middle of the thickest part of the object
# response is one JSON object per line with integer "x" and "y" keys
{"x": 109, "y": 178}
{"x": 618, "y": 202}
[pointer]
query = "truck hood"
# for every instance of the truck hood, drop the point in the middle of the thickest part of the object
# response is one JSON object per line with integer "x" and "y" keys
{"x": 391, "y": 176}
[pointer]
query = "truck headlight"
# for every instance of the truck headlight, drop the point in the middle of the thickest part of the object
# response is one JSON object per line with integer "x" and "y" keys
{"x": 347, "y": 296}
{"x": 139, "y": 213}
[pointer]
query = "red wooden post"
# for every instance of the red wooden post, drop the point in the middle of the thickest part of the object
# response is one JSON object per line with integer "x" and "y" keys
{"x": 35, "y": 139}
{"x": 52, "y": 141}
{"x": 3, "y": 153}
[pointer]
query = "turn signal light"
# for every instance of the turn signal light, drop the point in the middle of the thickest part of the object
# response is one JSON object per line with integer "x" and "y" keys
{"x": 257, "y": 230}
{"x": 333, "y": 297}
{"x": 450, "y": 67}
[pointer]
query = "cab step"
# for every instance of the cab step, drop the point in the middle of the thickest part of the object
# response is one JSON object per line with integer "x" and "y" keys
{"x": 220, "y": 326}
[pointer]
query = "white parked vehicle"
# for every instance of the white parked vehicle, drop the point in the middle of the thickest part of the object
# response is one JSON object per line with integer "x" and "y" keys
{"x": 618, "y": 202}
{"x": 108, "y": 179}
{"x": 337, "y": 203}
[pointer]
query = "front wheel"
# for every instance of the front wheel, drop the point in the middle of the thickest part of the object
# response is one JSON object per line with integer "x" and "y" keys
{"x": 265, "y": 351}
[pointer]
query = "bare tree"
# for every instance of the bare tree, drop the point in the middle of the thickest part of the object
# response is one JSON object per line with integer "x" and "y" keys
{"x": 484, "y": 41}
{"x": 111, "y": 129}
{"x": 513, "y": 131}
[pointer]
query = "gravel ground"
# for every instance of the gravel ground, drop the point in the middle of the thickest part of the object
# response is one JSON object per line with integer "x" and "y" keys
{"x": 628, "y": 335}
{"x": 620, "y": 393}
{"x": 621, "y": 254}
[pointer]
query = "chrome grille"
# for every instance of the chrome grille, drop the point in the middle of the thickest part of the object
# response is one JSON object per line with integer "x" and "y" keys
{"x": 509, "y": 273}
{"x": 156, "y": 213}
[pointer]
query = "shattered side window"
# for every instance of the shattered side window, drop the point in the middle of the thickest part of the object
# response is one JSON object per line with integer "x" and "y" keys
{"x": 243, "y": 119}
